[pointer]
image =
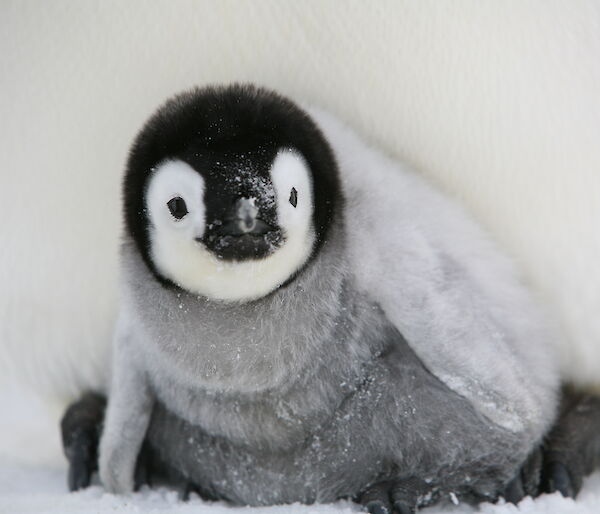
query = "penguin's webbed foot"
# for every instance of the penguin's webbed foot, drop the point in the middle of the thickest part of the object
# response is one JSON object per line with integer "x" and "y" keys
{"x": 402, "y": 496}
{"x": 572, "y": 448}
{"x": 81, "y": 426}
{"x": 527, "y": 481}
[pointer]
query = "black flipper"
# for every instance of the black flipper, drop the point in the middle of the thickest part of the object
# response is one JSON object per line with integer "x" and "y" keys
{"x": 81, "y": 427}
{"x": 558, "y": 478}
{"x": 531, "y": 473}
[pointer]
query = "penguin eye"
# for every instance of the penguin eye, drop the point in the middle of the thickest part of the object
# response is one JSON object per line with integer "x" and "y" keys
{"x": 177, "y": 207}
{"x": 294, "y": 197}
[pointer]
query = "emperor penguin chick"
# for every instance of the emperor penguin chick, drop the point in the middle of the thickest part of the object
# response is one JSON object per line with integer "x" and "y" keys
{"x": 301, "y": 319}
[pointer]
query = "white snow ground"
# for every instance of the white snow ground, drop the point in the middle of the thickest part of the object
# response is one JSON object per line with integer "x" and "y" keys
{"x": 33, "y": 478}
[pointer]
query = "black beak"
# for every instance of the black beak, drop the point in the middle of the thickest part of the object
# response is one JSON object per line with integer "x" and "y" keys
{"x": 243, "y": 235}
{"x": 241, "y": 227}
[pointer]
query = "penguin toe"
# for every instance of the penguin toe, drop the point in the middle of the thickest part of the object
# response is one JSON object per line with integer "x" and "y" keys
{"x": 558, "y": 479}
{"x": 394, "y": 496}
{"x": 376, "y": 499}
{"x": 80, "y": 472}
{"x": 514, "y": 491}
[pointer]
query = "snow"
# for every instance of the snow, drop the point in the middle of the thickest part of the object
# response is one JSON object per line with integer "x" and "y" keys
{"x": 33, "y": 478}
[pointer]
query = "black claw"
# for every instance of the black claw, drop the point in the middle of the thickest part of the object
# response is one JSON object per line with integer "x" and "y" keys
{"x": 80, "y": 472}
{"x": 558, "y": 479}
{"x": 514, "y": 492}
{"x": 81, "y": 455}
{"x": 187, "y": 491}
{"x": 376, "y": 499}
{"x": 398, "y": 496}
{"x": 403, "y": 508}
{"x": 405, "y": 494}
{"x": 531, "y": 473}
{"x": 377, "y": 507}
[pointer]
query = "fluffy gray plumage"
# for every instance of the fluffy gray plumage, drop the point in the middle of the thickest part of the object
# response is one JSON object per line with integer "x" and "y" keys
{"x": 406, "y": 349}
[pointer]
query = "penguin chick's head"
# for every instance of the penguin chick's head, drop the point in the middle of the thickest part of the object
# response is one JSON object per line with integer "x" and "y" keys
{"x": 229, "y": 192}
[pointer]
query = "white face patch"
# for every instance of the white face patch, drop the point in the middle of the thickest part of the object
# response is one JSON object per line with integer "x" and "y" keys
{"x": 172, "y": 180}
{"x": 292, "y": 183}
{"x": 180, "y": 257}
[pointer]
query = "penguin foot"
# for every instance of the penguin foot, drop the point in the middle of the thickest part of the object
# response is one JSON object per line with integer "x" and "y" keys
{"x": 572, "y": 448}
{"x": 557, "y": 478}
{"x": 81, "y": 426}
{"x": 394, "y": 496}
{"x": 145, "y": 471}
{"x": 528, "y": 479}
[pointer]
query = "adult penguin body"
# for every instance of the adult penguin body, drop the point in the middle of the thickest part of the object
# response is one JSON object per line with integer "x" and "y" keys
{"x": 302, "y": 324}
